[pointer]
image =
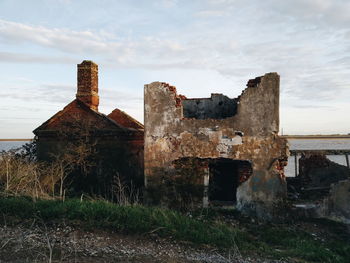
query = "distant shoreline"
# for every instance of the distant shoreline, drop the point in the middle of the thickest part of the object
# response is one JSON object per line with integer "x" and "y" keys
{"x": 284, "y": 136}
{"x": 316, "y": 136}
{"x": 15, "y": 140}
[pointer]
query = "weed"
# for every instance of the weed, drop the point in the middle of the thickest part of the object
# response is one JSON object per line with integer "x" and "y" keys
{"x": 277, "y": 241}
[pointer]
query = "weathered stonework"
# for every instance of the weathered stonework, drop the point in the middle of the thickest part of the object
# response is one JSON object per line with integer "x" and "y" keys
{"x": 245, "y": 130}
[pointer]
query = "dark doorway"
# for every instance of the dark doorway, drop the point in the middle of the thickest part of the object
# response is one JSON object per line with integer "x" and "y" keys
{"x": 225, "y": 175}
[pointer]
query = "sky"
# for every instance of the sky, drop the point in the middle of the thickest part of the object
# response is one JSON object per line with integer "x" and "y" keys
{"x": 199, "y": 46}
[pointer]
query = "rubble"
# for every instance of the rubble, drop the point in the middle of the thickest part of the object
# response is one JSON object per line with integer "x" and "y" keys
{"x": 321, "y": 189}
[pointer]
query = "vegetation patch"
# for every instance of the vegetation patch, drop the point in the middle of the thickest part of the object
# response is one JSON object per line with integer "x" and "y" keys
{"x": 224, "y": 229}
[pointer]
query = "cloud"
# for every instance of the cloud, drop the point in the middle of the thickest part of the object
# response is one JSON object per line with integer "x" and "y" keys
{"x": 169, "y": 3}
{"x": 18, "y": 118}
{"x": 126, "y": 52}
{"x": 325, "y": 13}
{"x": 56, "y": 87}
{"x": 61, "y": 94}
{"x": 311, "y": 106}
{"x": 290, "y": 37}
{"x": 35, "y": 97}
{"x": 62, "y": 39}
{"x": 211, "y": 13}
{"x": 330, "y": 13}
{"x": 341, "y": 61}
{"x": 11, "y": 57}
{"x": 40, "y": 93}
{"x": 115, "y": 97}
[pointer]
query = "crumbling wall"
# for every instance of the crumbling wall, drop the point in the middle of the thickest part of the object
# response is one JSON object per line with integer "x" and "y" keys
{"x": 251, "y": 134}
{"x": 217, "y": 106}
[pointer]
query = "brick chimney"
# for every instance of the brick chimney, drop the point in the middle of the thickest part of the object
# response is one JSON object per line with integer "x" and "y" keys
{"x": 88, "y": 84}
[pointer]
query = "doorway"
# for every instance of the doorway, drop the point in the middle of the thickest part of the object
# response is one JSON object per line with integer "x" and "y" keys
{"x": 225, "y": 175}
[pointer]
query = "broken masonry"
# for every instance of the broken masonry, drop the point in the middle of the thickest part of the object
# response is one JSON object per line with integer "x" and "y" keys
{"x": 229, "y": 148}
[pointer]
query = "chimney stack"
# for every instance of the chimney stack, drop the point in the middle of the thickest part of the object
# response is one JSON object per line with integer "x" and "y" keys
{"x": 88, "y": 84}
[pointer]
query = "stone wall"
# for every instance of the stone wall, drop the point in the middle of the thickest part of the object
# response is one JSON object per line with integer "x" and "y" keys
{"x": 217, "y": 106}
{"x": 250, "y": 134}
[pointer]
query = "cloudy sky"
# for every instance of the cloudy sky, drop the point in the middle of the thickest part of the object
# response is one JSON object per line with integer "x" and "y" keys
{"x": 200, "y": 46}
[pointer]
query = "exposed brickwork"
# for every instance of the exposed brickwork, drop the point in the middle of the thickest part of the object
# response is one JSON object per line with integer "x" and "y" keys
{"x": 88, "y": 84}
{"x": 178, "y": 97}
{"x": 244, "y": 172}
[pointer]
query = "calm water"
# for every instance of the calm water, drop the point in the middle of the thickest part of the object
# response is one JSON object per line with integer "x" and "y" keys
{"x": 319, "y": 144}
{"x": 8, "y": 145}
{"x": 295, "y": 144}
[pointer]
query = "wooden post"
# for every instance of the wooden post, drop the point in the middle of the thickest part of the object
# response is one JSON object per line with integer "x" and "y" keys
{"x": 347, "y": 160}
{"x": 206, "y": 188}
{"x": 296, "y": 164}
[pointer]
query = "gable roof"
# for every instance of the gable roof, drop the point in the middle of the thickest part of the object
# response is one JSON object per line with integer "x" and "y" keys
{"x": 125, "y": 120}
{"x": 76, "y": 107}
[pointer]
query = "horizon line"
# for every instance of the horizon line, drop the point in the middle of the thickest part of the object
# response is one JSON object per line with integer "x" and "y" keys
{"x": 309, "y": 136}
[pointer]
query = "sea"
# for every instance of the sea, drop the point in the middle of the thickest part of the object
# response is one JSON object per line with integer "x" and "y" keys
{"x": 9, "y": 145}
{"x": 294, "y": 144}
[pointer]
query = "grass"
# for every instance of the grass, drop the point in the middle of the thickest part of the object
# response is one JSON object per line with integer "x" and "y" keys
{"x": 207, "y": 227}
{"x": 126, "y": 219}
{"x": 290, "y": 242}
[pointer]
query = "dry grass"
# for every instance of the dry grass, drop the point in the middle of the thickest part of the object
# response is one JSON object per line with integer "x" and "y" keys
{"x": 19, "y": 176}
{"x": 125, "y": 194}
{"x": 22, "y": 175}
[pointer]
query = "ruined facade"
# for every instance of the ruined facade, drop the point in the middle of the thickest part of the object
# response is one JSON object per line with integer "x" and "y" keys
{"x": 229, "y": 148}
{"x": 114, "y": 142}
{"x": 205, "y": 151}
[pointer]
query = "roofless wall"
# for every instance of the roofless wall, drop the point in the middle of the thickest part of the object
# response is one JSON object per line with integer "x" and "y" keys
{"x": 240, "y": 129}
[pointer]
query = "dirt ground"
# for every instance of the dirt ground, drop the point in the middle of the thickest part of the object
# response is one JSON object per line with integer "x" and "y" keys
{"x": 67, "y": 244}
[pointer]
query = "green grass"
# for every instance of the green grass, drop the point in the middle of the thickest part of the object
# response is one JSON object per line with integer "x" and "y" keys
{"x": 126, "y": 219}
{"x": 291, "y": 242}
{"x": 204, "y": 227}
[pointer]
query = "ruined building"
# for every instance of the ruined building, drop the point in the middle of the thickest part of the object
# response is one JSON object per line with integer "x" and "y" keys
{"x": 191, "y": 151}
{"x": 215, "y": 150}
{"x": 112, "y": 144}
{"x": 201, "y": 152}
